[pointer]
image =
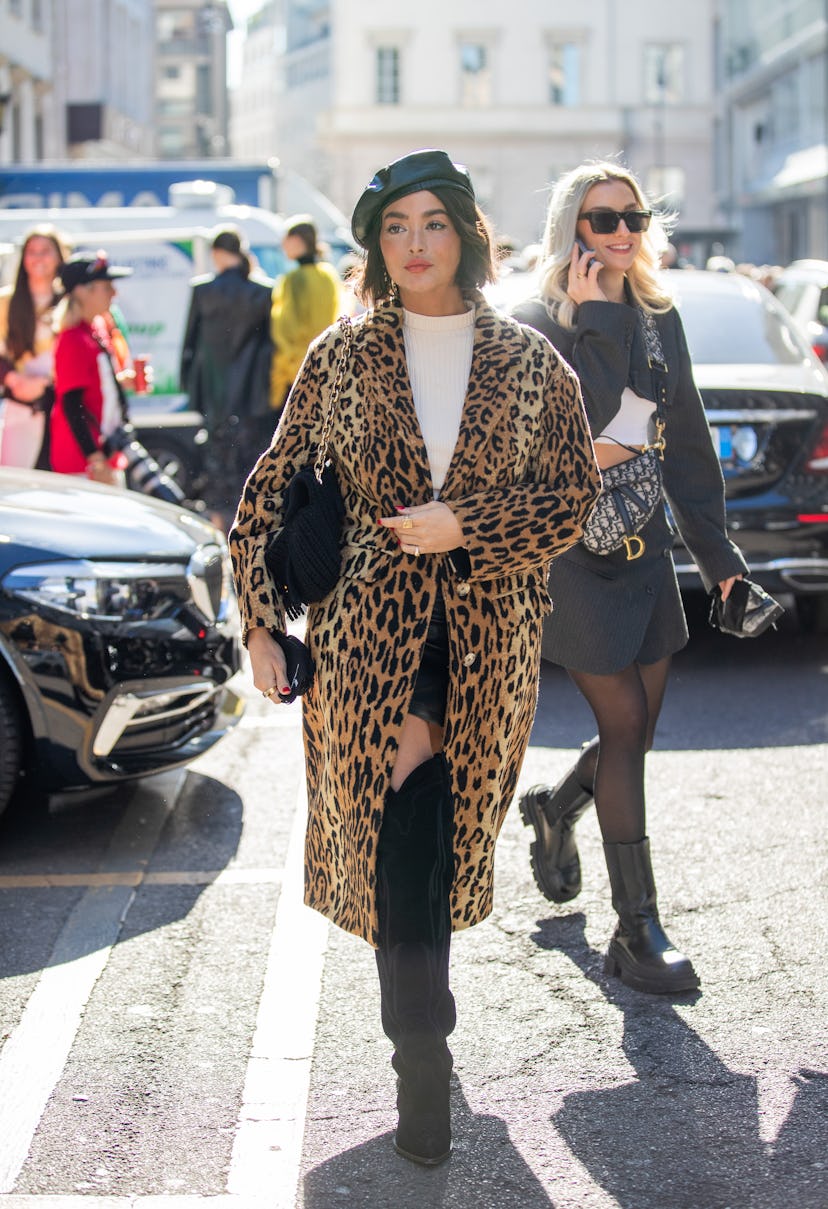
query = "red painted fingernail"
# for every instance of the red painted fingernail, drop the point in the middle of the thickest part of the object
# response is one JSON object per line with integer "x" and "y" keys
{"x": 400, "y": 507}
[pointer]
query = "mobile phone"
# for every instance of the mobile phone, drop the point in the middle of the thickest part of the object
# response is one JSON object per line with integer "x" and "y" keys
{"x": 584, "y": 248}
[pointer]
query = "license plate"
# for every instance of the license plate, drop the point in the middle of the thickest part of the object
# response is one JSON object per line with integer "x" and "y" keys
{"x": 723, "y": 441}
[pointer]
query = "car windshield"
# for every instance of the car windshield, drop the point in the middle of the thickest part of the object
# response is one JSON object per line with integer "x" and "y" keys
{"x": 724, "y": 328}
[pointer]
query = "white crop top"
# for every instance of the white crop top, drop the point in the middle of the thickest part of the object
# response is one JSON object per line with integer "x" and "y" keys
{"x": 632, "y": 424}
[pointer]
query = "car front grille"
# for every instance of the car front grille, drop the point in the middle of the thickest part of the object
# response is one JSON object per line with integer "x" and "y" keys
{"x": 146, "y": 720}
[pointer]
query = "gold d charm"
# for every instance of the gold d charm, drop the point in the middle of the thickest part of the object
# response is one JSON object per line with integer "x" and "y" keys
{"x": 634, "y": 551}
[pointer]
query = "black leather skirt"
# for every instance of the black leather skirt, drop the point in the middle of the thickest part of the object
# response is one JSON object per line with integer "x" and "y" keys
{"x": 431, "y": 687}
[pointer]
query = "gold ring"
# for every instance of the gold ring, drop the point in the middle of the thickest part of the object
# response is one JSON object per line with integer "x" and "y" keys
{"x": 268, "y": 692}
{"x": 407, "y": 523}
{"x": 581, "y": 275}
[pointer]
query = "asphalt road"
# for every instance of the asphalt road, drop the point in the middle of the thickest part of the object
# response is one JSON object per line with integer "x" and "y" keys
{"x": 177, "y": 1031}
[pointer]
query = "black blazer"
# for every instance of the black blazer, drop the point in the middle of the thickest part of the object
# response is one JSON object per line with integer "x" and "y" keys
{"x": 225, "y": 359}
{"x": 606, "y": 349}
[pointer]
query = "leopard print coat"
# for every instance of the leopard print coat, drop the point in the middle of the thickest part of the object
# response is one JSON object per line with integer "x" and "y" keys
{"x": 521, "y": 483}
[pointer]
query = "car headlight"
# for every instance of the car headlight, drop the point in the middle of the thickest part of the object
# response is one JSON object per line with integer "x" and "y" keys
{"x": 103, "y": 590}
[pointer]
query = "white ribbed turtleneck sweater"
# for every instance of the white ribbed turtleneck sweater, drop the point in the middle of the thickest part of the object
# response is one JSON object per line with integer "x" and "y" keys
{"x": 438, "y": 349}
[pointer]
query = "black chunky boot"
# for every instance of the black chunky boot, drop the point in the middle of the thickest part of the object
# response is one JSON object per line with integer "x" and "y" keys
{"x": 553, "y": 813}
{"x": 415, "y": 869}
{"x": 640, "y": 952}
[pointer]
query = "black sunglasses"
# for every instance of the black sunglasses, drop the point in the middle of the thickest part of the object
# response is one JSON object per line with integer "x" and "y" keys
{"x": 605, "y": 222}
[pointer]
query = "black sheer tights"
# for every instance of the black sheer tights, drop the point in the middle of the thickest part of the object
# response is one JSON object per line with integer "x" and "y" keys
{"x": 626, "y": 705}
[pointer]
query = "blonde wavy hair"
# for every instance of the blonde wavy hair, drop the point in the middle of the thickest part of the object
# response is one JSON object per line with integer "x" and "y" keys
{"x": 559, "y": 235}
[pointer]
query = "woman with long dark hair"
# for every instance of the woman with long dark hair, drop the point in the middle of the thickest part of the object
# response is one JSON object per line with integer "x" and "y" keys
{"x": 27, "y": 337}
{"x": 465, "y": 465}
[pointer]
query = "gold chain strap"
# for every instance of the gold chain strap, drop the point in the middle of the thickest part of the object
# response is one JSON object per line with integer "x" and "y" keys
{"x": 322, "y": 452}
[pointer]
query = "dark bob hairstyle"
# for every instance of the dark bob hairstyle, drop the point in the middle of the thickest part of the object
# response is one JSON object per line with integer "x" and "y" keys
{"x": 477, "y": 258}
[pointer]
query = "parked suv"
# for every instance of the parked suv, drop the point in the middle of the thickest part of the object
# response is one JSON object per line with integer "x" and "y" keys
{"x": 118, "y": 635}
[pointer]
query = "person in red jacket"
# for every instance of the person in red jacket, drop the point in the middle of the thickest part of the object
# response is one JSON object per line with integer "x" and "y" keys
{"x": 89, "y": 403}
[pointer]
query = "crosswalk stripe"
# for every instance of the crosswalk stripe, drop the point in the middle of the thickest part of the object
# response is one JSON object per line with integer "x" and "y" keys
{"x": 137, "y": 877}
{"x": 267, "y": 1150}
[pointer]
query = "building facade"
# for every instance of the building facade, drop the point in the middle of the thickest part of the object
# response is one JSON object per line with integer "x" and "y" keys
{"x": 191, "y": 101}
{"x": 519, "y": 93}
{"x": 772, "y": 150}
{"x": 103, "y": 53}
{"x": 28, "y": 123}
{"x": 254, "y": 102}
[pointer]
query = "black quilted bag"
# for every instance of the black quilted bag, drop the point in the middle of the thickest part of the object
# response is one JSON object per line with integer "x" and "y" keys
{"x": 304, "y": 557}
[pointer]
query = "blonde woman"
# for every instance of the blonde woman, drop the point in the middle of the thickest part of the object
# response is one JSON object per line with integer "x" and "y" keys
{"x": 89, "y": 404}
{"x": 618, "y": 619}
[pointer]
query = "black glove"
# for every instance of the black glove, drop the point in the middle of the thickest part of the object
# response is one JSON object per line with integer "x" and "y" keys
{"x": 300, "y": 668}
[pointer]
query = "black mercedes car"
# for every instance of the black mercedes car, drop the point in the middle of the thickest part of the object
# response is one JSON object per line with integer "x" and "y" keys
{"x": 118, "y": 635}
{"x": 766, "y": 396}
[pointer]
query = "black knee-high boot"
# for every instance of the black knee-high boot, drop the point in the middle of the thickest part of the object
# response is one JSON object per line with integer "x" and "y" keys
{"x": 415, "y": 869}
{"x": 640, "y": 952}
{"x": 553, "y": 813}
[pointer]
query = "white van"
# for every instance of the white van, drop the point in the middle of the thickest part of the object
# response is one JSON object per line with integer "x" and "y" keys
{"x": 165, "y": 246}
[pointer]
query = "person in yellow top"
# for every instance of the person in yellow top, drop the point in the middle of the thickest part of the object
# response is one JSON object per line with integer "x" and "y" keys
{"x": 305, "y": 302}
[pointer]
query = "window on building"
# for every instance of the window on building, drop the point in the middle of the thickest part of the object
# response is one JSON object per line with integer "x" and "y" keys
{"x": 565, "y": 74}
{"x": 176, "y": 26}
{"x": 663, "y": 74}
{"x": 16, "y": 8}
{"x": 173, "y": 72}
{"x": 785, "y": 105}
{"x": 171, "y": 141}
{"x": 815, "y": 94}
{"x": 388, "y": 75}
{"x": 204, "y": 88}
{"x": 37, "y": 15}
{"x": 475, "y": 75}
{"x": 667, "y": 186}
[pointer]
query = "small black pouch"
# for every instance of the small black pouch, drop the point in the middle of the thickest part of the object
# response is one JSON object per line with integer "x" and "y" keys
{"x": 300, "y": 666}
{"x": 748, "y": 611}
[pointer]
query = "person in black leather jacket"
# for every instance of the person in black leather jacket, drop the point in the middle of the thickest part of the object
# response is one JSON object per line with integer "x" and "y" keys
{"x": 225, "y": 369}
{"x": 618, "y": 618}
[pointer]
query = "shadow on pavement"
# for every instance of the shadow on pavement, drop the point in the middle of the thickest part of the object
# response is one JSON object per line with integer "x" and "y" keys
{"x": 484, "y": 1170}
{"x": 84, "y": 845}
{"x": 686, "y": 1134}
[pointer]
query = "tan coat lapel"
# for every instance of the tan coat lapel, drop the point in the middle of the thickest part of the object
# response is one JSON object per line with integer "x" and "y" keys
{"x": 497, "y": 347}
{"x": 389, "y": 398}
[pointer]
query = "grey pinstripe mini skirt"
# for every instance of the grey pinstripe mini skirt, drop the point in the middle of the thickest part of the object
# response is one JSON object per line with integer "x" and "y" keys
{"x": 608, "y": 612}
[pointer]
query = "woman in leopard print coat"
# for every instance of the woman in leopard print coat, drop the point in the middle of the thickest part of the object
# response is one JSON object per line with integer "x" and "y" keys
{"x": 427, "y": 652}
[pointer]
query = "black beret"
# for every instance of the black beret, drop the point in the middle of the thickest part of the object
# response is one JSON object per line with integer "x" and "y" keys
{"x": 428, "y": 169}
